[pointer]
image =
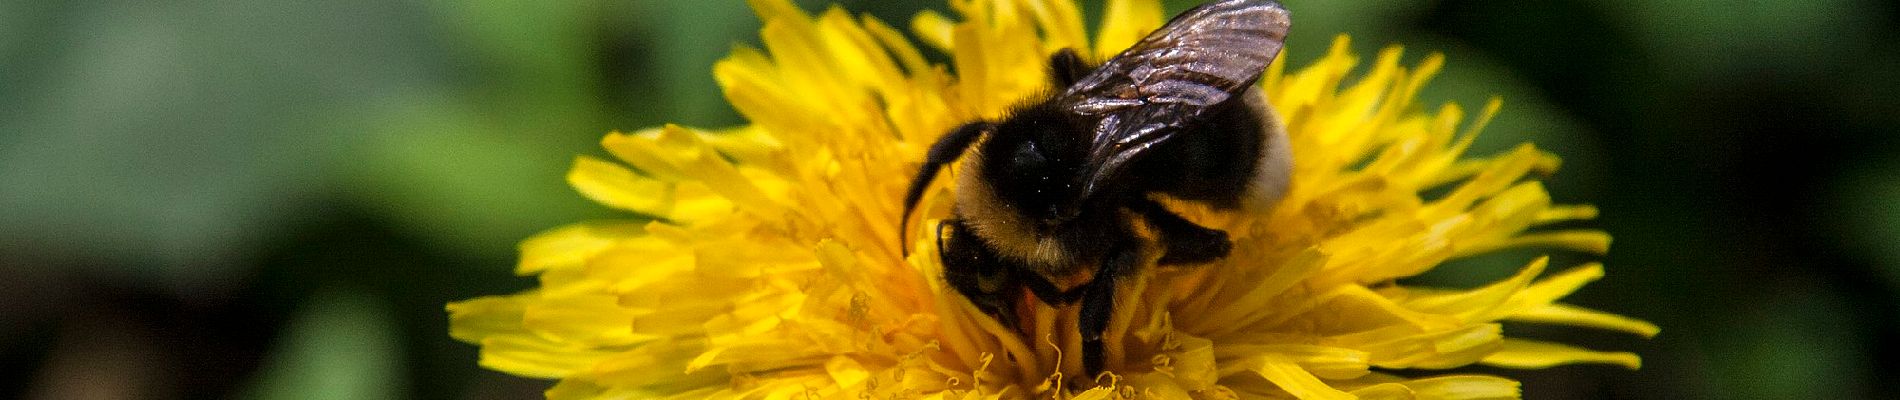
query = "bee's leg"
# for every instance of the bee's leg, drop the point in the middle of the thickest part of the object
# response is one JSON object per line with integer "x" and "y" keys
{"x": 974, "y": 270}
{"x": 1182, "y": 240}
{"x": 1098, "y": 303}
{"x": 1066, "y": 67}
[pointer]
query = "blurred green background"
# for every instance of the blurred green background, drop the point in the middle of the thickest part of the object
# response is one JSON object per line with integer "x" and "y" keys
{"x": 273, "y": 199}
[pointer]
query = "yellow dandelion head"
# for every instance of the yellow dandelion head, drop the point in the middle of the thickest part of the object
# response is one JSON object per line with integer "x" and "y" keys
{"x": 774, "y": 268}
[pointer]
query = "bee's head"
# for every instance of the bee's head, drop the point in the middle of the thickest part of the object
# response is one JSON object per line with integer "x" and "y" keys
{"x": 1033, "y": 162}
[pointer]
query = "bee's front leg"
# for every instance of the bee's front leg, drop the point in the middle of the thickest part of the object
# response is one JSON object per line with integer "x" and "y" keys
{"x": 1098, "y": 303}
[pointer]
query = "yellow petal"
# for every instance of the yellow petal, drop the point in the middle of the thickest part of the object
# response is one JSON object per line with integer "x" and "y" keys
{"x": 699, "y": 163}
{"x": 1565, "y": 314}
{"x": 1549, "y": 289}
{"x": 894, "y": 41}
{"x": 1384, "y": 391}
{"x": 935, "y": 29}
{"x": 656, "y": 366}
{"x": 1567, "y": 213}
{"x": 1322, "y": 361}
{"x": 642, "y": 150}
{"x": 846, "y": 371}
{"x": 1061, "y": 23}
{"x": 1296, "y": 381}
{"x": 535, "y": 357}
{"x": 1476, "y": 302}
{"x": 1502, "y": 173}
{"x": 1250, "y": 306}
{"x": 1587, "y": 241}
{"x": 575, "y": 389}
{"x": 1472, "y": 387}
{"x": 868, "y": 60}
{"x": 772, "y": 10}
{"x": 571, "y": 245}
{"x": 483, "y": 317}
{"x": 747, "y": 145}
{"x": 612, "y": 185}
{"x": 1400, "y": 347}
{"x": 1123, "y": 23}
{"x": 1099, "y": 393}
{"x": 1531, "y": 354}
{"x": 758, "y": 92}
{"x": 580, "y": 318}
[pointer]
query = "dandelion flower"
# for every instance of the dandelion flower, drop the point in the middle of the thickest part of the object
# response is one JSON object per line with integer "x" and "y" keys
{"x": 773, "y": 266}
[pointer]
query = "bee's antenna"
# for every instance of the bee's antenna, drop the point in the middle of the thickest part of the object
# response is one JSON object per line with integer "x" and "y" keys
{"x": 946, "y": 150}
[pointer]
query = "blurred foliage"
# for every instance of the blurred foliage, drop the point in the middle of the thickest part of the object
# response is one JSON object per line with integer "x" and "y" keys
{"x": 341, "y": 348}
{"x": 184, "y": 187}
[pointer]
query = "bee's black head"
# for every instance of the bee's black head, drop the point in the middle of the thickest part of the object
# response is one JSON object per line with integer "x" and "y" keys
{"x": 1034, "y": 161}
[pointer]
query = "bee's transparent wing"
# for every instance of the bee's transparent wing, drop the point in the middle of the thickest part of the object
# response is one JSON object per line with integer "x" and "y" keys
{"x": 1200, "y": 59}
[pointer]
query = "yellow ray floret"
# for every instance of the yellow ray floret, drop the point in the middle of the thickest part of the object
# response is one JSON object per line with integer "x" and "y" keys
{"x": 773, "y": 267}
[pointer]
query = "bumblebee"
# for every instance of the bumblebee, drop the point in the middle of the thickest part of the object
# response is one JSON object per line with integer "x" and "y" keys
{"x": 1048, "y": 199}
